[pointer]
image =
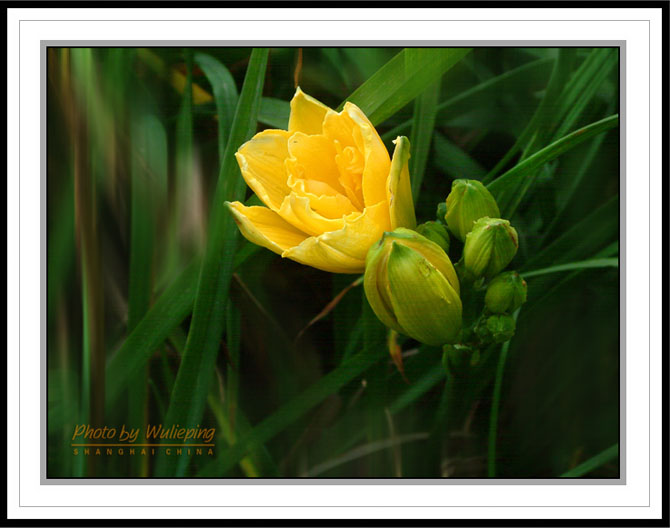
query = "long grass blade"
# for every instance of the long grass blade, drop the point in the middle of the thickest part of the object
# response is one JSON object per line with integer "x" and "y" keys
{"x": 192, "y": 383}
{"x": 293, "y": 410}
{"x": 61, "y": 247}
{"x": 566, "y": 193}
{"x": 483, "y": 93}
{"x": 259, "y": 462}
{"x": 593, "y": 463}
{"x": 366, "y": 60}
{"x": 86, "y": 135}
{"x": 584, "y": 264}
{"x": 506, "y": 188}
{"x": 587, "y": 82}
{"x": 225, "y": 95}
{"x": 417, "y": 389}
{"x": 454, "y": 161}
{"x": 363, "y": 451}
{"x": 541, "y": 119}
{"x": 595, "y": 231}
{"x": 374, "y": 398}
{"x": 167, "y": 312}
{"x": 539, "y": 293}
{"x": 423, "y": 123}
{"x": 148, "y": 192}
{"x": 401, "y": 79}
{"x": 274, "y": 112}
{"x": 184, "y": 161}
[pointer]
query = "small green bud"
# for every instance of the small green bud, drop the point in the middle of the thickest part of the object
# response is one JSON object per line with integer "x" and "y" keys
{"x": 468, "y": 201}
{"x": 413, "y": 288}
{"x": 496, "y": 328}
{"x": 489, "y": 247}
{"x": 436, "y": 232}
{"x": 506, "y": 293}
{"x": 501, "y": 327}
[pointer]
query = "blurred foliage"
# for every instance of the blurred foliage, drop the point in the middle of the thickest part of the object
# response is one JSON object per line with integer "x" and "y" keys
{"x": 140, "y": 143}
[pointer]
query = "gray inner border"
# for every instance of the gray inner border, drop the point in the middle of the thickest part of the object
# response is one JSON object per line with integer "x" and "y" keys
{"x": 382, "y": 43}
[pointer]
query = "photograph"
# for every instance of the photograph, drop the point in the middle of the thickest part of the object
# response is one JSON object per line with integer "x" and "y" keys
{"x": 344, "y": 264}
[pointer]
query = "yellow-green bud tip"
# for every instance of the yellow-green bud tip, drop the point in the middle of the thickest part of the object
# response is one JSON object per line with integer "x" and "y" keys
{"x": 489, "y": 247}
{"x": 468, "y": 201}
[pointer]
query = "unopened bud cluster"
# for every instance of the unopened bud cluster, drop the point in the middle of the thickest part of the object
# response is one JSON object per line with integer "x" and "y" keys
{"x": 490, "y": 244}
{"x": 414, "y": 289}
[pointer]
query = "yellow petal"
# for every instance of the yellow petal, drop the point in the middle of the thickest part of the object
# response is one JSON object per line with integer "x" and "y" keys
{"x": 313, "y": 158}
{"x": 265, "y": 228}
{"x": 377, "y": 161}
{"x": 261, "y": 161}
{"x": 344, "y": 250}
{"x": 297, "y": 211}
{"x": 335, "y": 206}
{"x": 306, "y": 114}
{"x": 322, "y": 198}
{"x": 311, "y": 187}
{"x": 350, "y": 163}
{"x": 359, "y": 233}
{"x": 399, "y": 190}
{"x": 316, "y": 253}
{"x": 339, "y": 128}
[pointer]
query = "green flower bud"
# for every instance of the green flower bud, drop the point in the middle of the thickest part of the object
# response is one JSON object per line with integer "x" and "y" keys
{"x": 467, "y": 202}
{"x": 501, "y": 327}
{"x": 413, "y": 288}
{"x": 496, "y": 328}
{"x": 506, "y": 293}
{"x": 436, "y": 232}
{"x": 489, "y": 247}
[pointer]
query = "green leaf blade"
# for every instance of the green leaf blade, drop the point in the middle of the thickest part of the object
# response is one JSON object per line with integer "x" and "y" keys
{"x": 507, "y": 189}
{"x": 401, "y": 79}
{"x": 293, "y": 410}
{"x": 190, "y": 390}
{"x": 225, "y": 95}
{"x": 423, "y": 125}
{"x": 595, "y": 462}
{"x": 584, "y": 264}
{"x": 482, "y": 94}
{"x": 274, "y": 112}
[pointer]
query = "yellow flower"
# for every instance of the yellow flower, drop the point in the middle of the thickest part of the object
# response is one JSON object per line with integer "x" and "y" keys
{"x": 330, "y": 188}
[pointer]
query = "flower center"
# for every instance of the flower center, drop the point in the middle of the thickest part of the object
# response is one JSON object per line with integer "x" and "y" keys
{"x": 350, "y": 164}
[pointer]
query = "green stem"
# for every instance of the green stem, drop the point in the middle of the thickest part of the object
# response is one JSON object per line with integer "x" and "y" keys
{"x": 495, "y": 406}
{"x": 374, "y": 342}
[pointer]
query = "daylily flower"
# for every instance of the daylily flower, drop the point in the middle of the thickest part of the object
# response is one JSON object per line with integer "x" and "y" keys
{"x": 330, "y": 188}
